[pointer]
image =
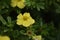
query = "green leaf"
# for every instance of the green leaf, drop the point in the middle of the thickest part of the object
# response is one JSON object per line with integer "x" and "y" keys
{"x": 57, "y": 8}
{"x": 9, "y": 19}
{"x": 10, "y": 23}
{"x": 3, "y": 20}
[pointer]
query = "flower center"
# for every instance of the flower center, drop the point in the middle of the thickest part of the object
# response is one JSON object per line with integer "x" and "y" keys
{"x": 25, "y": 18}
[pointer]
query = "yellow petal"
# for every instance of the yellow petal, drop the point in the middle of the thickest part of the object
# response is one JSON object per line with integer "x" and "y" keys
{"x": 4, "y": 38}
{"x": 37, "y": 37}
{"x": 13, "y": 3}
{"x": 23, "y": 0}
{"x": 32, "y": 21}
{"x": 19, "y": 21}
{"x": 26, "y": 14}
{"x": 26, "y": 23}
{"x": 20, "y": 4}
{"x": 20, "y": 16}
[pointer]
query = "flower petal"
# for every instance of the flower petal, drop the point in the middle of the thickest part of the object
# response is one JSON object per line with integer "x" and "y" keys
{"x": 19, "y": 22}
{"x": 4, "y": 38}
{"x": 20, "y": 16}
{"x": 26, "y": 14}
{"x": 26, "y": 23}
{"x": 37, "y": 37}
{"x": 31, "y": 21}
{"x": 20, "y": 4}
{"x": 23, "y": 0}
{"x": 13, "y": 3}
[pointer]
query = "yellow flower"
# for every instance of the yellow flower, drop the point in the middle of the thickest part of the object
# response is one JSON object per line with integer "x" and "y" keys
{"x": 25, "y": 19}
{"x": 37, "y": 37}
{"x": 18, "y": 3}
{"x": 4, "y": 38}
